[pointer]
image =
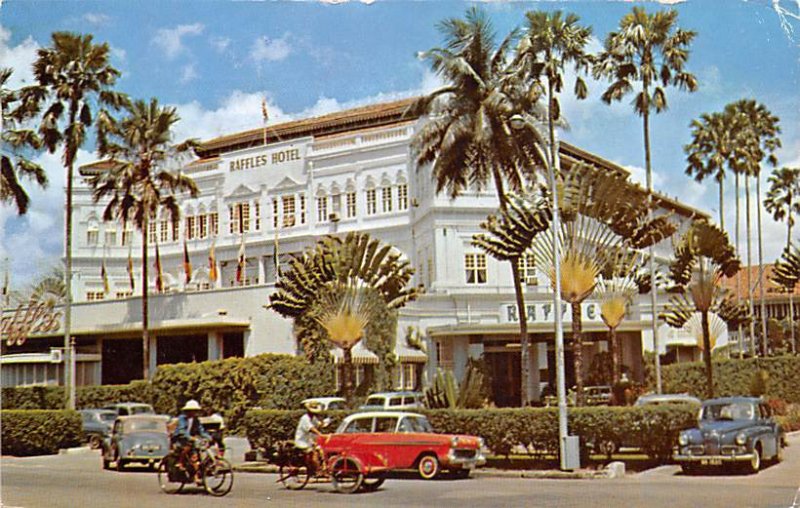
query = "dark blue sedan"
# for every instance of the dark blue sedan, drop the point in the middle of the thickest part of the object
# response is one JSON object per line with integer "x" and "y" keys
{"x": 731, "y": 431}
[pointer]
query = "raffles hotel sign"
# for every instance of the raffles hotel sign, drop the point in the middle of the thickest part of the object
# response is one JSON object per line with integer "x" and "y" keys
{"x": 29, "y": 319}
{"x": 541, "y": 312}
{"x": 272, "y": 158}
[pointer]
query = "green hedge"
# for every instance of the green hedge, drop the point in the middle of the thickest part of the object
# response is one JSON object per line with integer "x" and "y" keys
{"x": 734, "y": 377}
{"x": 52, "y": 397}
{"x": 39, "y": 432}
{"x": 655, "y": 429}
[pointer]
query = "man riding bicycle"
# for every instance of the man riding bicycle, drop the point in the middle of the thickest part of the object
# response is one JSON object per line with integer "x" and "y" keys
{"x": 186, "y": 435}
{"x": 305, "y": 437}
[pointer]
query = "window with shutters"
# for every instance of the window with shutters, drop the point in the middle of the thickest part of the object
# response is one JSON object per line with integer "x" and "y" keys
{"x": 351, "y": 204}
{"x": 371, "y": 202}
{"x": 386, "y": 199}
{"x": 475, "y": 267}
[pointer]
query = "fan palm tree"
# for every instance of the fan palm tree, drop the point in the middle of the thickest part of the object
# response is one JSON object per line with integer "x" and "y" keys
{"x": 603, "y": 214}
{"x": 712, "y": 151}
{"x": 49, "y": 289}
{"x": 13, "y": 164}
{"x": 703, "y": 256}
{"x": 783, "y": 197}
{"x": 786, "y": 274}
{"x": 139, "y": 182}
{"x": 620, "y": 280}
{"x": 331, "y": 284}
{"x": 74, "y": 86}
{"x": 648, "y": 49}
{"x": 758, "y": 140}
{"x": 468, "y": 138}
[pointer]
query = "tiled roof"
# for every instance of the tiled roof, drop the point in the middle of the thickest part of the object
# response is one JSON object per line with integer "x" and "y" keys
{"x": 770, "y": 289}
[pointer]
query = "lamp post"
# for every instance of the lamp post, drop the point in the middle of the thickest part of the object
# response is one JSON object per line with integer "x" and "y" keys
{"x": 519, "y": 122}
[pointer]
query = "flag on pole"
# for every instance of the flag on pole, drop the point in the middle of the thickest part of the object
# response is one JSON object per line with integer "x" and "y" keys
{"x": 159, "y": 275}
{"x": 264, "y": 112}
{"x": 130, "y": 269}
{"x": 187, "y": 264}
{"x": 104, "y": 276}
{"x": 240, "y": 275}
{"x": 212, "y": 263}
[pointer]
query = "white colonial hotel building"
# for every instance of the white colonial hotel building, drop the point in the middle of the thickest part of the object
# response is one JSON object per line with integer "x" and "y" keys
{"x": 346, "y": 171}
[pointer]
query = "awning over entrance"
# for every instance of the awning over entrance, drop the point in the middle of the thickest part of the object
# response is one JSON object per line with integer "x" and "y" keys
{"x": 406, "y": 354}
{"x": 361, "y": 355}
{"x": 167, "y": 325}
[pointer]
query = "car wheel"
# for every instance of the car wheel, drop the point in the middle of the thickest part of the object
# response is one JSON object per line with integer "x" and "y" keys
{"x": 688, "y": 468}
{"x": 755, "y": 463}
{"x": 428, "y": 467}
{"x": 372, "y": 484}
{"x": 95, "y": 442}
{"x": 106, "y": 463}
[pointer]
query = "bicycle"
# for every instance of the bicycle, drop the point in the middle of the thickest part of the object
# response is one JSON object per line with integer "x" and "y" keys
{"x": 345, "y": 472}
{"x": 215, "y": 472}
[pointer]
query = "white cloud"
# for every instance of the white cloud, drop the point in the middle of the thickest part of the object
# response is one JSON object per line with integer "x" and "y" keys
{"x": 96, "y": 18}
{"x": 220, "y": 44}
{"x": 188, "y": 73}
{"x": 272, "y": 50}
{"x": 171, "y": 39}
{"x": 20, "y": 58}
{"x": 639, "y": 175}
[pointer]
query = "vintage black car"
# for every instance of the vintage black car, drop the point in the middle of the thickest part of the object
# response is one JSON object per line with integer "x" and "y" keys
{"x": 141, "y": 439}
{"x": 731, "y": 431}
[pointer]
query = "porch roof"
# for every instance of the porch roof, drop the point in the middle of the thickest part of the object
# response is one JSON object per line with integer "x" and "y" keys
{"x": 533, "y": 328}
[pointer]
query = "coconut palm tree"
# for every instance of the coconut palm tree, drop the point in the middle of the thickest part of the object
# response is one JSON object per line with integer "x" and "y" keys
{"x": 468, "y": 138}
{"x": 703, "y": 256}
{"x": 783, "y": 197}
{"x": 648, "y": 49}
{"x": 603, "y": 214}
{"x": 74, "y": 88}
{"x": 333, "y": 282}
{"x": 139, "y": 182}
{"x": 758, "y": 140}
{"x": 786, "y": 274}
{"x": 13, "y": 163}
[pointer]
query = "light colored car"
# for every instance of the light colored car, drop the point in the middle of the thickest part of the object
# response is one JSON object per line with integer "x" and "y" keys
{"x": 130, "y": 408}
{"x": 666, "y": 399}
{"x": 406, "y": 441}
{"x": 393, "y": 401}
{"x": 328, "y": 403}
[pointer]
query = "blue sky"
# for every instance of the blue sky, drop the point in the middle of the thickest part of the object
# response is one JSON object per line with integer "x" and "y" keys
{"x": 215, "y": 60}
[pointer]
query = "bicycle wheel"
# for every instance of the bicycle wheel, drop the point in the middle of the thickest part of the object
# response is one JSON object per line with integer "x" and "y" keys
{"x": 346, "y": 474}
{"x": 294, "y": 476}
{"x": 218, "y": 477}
{"x": 167, "y": 485}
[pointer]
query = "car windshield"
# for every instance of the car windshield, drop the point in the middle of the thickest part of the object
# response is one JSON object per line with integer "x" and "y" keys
{"x": 374, "y": 401}
{"x": 144, "y": 409}
{"x": 732, "y": 411}
{"x": 107, "y": 417}
{"x": 415, "y": 424}
{"x": 145, "y": 425}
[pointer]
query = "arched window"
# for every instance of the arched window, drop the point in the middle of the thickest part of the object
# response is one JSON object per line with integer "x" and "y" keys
{"x": 322, "y": 205}
{"x": 386, "y": 195}
{"x": 402, "y": 192}
{"x": 350, "y": 199}
{"x": 371, "y": 197}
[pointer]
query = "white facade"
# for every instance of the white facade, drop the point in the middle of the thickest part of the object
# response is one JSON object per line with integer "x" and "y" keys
{"x": 284, "y": 196}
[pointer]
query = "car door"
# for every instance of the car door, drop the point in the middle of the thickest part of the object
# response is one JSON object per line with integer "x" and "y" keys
{"x": 116, "y": 436}
{"x": 770, "y": 442}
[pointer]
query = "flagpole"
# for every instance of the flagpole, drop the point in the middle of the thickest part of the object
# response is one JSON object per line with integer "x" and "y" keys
{"x": 6, "y": 286}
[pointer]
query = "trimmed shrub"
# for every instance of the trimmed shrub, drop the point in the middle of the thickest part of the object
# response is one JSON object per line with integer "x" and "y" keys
{"x": 734, "y": 377}
{"x": 235, "y": 385}
{"x": 52, "y": 397}
{"x": 654, "y": 429}
{"x": 39, "y": 432}
{"x": 790, "y": 420}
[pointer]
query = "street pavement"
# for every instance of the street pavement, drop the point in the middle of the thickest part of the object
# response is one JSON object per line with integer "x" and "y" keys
{"x": 77, "y": 480}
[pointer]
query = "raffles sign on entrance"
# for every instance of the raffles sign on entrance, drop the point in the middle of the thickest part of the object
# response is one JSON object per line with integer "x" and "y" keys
{"x": 541, "y": 312}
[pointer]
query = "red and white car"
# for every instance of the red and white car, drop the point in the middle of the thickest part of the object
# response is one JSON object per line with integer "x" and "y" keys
{"x": 392, "y": 440}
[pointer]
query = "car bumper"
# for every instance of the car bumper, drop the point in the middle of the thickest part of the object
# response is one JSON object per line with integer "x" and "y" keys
{"x": 457, "y": 462}
{"x": 713, "y": 459}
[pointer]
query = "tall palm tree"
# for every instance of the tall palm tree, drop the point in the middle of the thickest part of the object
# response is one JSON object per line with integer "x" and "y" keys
{"x": 783, "y": 197}
{"x": 332, "y": 283}
{"x": 74, "y": 86}
{"x": 648, "y": 49}
{"x": 140, "y": 182}
{"x": 603, "y": 214}
{"x": 758, "y": 140}
{"x": 786, "y": 274}
{"x": 783, "y": 201}
{"x": 13, "y": 163}
{"x": 711, "y": 151}
{"x": 468, "y": 139}
{"x": 702, "y": 257}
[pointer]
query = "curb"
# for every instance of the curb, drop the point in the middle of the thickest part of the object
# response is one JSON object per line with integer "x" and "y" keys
{"x": 262, "y": 468}
{"x": 75, "y": 451}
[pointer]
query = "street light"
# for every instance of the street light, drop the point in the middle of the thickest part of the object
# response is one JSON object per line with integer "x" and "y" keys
{"x": 567, "y": 460}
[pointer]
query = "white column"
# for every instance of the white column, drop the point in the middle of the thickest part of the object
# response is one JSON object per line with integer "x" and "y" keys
{"x": 260, "y": 264}
{"x": 214, "y": 345}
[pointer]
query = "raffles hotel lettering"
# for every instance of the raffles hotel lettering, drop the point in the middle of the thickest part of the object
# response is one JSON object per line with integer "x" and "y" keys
{"x": 255, "y": 161}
